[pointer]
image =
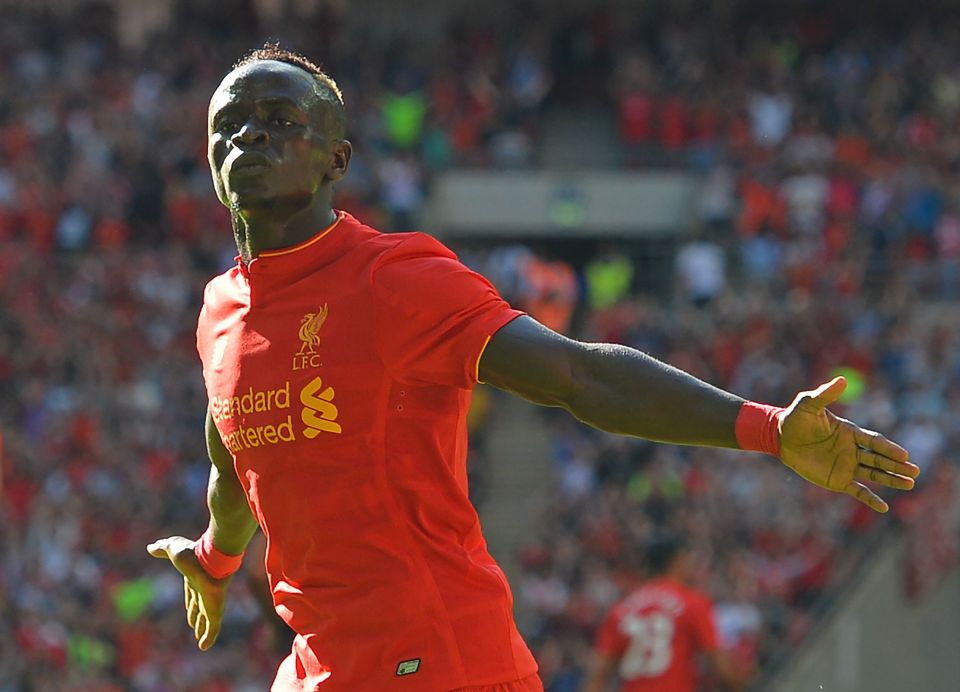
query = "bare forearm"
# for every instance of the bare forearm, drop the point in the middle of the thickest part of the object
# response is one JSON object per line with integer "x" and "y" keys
{"x": 625, "y": 391}
{"x": 231, "y": 520}
{"x": 611, "y": 387}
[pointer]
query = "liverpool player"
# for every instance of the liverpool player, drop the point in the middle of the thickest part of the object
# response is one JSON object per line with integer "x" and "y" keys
{"x": 339, "y": 362}
{"x": 654, "y": 636}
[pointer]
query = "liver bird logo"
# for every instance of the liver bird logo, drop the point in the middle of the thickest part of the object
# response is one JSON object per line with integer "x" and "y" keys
{"x": 310, "y": 330}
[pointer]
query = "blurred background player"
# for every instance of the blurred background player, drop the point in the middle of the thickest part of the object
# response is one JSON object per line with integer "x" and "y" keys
{"x": 654, "y": 639}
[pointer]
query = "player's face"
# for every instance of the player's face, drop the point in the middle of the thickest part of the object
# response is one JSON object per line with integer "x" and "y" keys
{"x": 268, "y": 141}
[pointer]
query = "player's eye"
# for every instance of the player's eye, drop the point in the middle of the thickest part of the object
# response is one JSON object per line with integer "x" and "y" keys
{"x": 283, "y": 122}
{"x": 227, "y": 126}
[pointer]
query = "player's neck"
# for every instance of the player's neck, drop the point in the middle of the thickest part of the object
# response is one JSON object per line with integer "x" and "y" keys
{"x": 273, "y": 227}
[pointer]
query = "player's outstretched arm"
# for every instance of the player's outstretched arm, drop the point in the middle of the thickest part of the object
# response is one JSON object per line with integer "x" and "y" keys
{"x": 232, "y": 525}
{"x": 621, "y": 390}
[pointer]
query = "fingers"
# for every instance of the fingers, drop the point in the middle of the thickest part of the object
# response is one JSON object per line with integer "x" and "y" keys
{"x": 210, "y": 637}
{"x": 193, "y": 608}
{"x": 159, "y": 548}
{"x": 200, "y": 627}
{"x": 874, "y": 441}
{"x": 863, "y": 494}
{"x": 826, "y": 394}
{"x": 890, "y": 480}
{"x": 203, "y": 616}
{"x": 205, "y": 626}
{"x": 169, "y": 547}
{"x": 884, "y": 463}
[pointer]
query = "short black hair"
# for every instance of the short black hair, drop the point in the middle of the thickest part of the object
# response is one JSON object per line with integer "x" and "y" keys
{"x": 662, "y": 550}
{"x": 327, "y": 88}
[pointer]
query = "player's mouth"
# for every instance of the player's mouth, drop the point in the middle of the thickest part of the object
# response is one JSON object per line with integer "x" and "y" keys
{"x": 250, "y": 162}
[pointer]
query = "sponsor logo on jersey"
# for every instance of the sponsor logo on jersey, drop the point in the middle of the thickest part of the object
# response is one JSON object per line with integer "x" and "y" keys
{"x": 261, "y": 417}
{"x": 319, "y": 413}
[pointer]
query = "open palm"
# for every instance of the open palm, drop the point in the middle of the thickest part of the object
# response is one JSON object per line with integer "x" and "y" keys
{"x": 836, "y": 454}
{"x": 204, "y": 597}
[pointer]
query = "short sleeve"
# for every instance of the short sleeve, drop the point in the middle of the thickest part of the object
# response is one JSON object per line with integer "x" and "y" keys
{"x": 611, "y": 641}
{"x": 433, "y": 315}
{"x": 704, "y": 625}
{"x": 203, "y": 331}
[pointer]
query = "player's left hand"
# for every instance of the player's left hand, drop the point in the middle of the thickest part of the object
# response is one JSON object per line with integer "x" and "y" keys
{"x": 204, "y": 597}
{"x": 836, "y": 454}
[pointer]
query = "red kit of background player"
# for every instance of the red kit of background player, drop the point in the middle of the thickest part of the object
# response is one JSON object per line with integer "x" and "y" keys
{"x": 656, "y": 634}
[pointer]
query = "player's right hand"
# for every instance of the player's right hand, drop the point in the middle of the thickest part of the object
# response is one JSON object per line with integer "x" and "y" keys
{"x": 204, "y": 597}
{"x": 836, "y": 454}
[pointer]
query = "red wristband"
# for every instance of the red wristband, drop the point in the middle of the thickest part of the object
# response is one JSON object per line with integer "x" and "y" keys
{"x": 758, "y": 428}
{"x": 217, "y": 564}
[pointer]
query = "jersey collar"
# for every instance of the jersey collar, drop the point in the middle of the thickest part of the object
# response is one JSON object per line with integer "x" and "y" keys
{"x": 293, "y": 254}
{"x": 300, "y": 247}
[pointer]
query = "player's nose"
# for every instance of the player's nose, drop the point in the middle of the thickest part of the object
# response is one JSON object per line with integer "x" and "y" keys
{"x": 251, "y": 132}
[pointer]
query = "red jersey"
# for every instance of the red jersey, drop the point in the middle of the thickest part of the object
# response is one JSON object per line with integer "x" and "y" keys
{"x": 339, "y": 373}
{"x": 656, "y": 633}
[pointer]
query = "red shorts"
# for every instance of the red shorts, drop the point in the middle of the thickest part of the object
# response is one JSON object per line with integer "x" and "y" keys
{"x": 531, "y": 683}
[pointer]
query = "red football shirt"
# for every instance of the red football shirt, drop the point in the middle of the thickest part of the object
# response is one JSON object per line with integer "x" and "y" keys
{"x": 656, "y": 633}
{"x": 339, "y": 374}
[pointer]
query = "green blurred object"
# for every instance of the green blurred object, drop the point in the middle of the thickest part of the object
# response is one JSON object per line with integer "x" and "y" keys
{"x": 856, "y": 383}
{"x": 567, "y": 208}
{"x": 88, "y": 652}
{"x": 403, "y": 117}
{"x": 642, "y": 485}
{"x": 132, "y": 598}
{"x": 567, "y": 213}
{"x": 608, "y": 280}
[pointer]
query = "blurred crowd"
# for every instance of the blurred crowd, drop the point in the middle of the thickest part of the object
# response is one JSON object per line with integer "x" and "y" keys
{"x": 104, "y": 144}
{"x": 827, "y": 240}
{"x": 769, "y": 547}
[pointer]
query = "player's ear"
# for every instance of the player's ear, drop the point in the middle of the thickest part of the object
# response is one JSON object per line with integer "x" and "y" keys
{"x": 339, "y": 160}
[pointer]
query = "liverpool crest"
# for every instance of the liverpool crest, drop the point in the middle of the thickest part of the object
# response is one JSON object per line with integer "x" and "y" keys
{"x": 309, "y": 335}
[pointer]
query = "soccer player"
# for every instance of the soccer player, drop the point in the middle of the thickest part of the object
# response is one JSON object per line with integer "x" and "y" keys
{"x": 338, "y": 363}
{"x": 655, "y": 635}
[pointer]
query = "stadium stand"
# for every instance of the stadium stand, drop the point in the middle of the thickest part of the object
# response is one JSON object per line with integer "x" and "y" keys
{"x": 828, "y": 240}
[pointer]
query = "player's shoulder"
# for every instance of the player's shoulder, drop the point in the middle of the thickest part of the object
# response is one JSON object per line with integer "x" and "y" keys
{"x": 222, "y": 288}
{"x": 389, "y": 248}
{"x": 402, "y": 257}
{"x": 398, "y": 247}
